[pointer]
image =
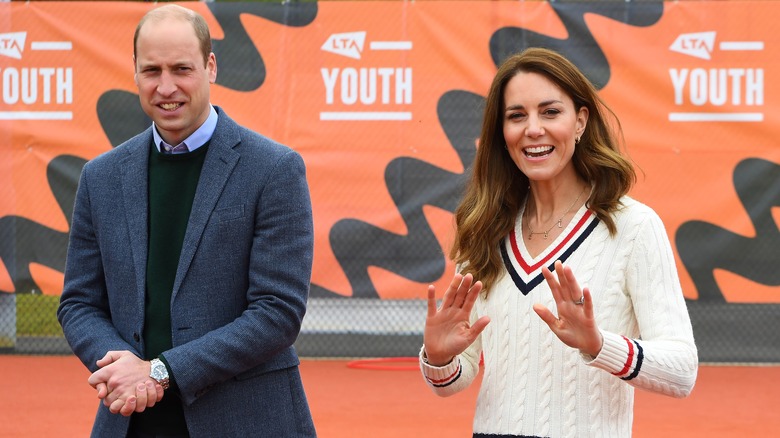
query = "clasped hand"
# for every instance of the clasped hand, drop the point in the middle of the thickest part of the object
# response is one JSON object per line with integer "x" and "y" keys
{"x": 448, "y": 331}
{"x": 123, "y": 383}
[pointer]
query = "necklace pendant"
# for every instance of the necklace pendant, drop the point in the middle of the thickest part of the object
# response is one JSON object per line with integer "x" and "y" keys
{"x": 560, "y": 225}
{"x": 545, "y": 233}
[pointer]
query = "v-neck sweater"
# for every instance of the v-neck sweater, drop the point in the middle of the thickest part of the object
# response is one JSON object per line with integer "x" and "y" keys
{"x": 173, "y": 181}
{"x": 533, "y": 384}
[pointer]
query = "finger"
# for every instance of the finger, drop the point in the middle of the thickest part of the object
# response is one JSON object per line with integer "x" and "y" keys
{"x": 141, "y": 398}
{"x": 565, "y": 286}
{"x": 96, "y": 378}
{"x": 151, "y": 394}
{"x": 472, "y": 296}
{"x": 102, "y": 390}
{"x": 588, "y": 303}
{"x": 110, "y": 399}
{"x": 478, "y": 326}
{"x": 546, "y": 315}
{"x": 569, "y": 283}
{"x": 463, "y": 290}
{"x": 129, "y": 406}
{"x": 431, "y": 300}
{"x": 159, "y": 390}
{"x": 103, "y": 359}
{"x": 116, "y": 406}
{"x": 566, "y": 294}
{"x": 552, "y": 281}
{"x": 110, "y": 357}
{"x": 452, "y": 290}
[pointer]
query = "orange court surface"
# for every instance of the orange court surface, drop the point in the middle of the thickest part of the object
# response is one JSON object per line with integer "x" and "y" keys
{"x": 48, "y": 396}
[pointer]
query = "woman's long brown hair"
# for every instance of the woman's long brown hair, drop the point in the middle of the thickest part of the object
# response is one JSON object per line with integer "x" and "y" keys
{"x": 497, "y": 188}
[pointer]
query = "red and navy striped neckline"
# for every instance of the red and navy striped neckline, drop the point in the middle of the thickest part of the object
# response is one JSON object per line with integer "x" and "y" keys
{"x": 527, "y": 274}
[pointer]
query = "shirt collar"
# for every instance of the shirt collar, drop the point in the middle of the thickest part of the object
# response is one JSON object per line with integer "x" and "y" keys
{"x": 196, "y": 139}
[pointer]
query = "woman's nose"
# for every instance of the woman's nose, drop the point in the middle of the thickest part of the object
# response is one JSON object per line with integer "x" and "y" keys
{"x": 534, "y": 127}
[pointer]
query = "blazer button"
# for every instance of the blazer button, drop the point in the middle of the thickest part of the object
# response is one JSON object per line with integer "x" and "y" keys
{"x": 136, "y": 337}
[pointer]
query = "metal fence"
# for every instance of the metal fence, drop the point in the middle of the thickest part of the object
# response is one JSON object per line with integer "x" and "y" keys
{"x": 331, "y": 328}
{"x": 339, "y": 328}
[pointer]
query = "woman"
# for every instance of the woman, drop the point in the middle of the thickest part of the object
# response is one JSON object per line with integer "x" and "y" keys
{"x": 549, "y": 186}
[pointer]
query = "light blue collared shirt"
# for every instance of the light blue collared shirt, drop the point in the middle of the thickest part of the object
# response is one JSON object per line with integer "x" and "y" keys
{"x": 197, "y": 139}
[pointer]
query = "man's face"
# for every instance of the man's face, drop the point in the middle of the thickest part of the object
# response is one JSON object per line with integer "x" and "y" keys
{"x": 173, "y": 82}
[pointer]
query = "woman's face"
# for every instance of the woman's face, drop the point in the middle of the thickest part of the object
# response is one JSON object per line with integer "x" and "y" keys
{"x": 540, "y": 126}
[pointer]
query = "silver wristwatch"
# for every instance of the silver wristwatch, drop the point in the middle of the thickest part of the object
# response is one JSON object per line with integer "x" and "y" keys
{"x": 160, "y": 373}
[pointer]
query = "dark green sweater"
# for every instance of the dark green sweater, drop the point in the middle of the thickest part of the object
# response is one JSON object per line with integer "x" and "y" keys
{"x": 172, "y": 183}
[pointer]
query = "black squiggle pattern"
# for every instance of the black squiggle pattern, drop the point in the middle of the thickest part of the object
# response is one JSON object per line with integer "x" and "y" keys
{"x": 580, "y": 47}
{"x": 121, "y": 116}
{"x": 704, "y": 247}
{"x": 412, "y": 184}
{"x": 23, "y": 241}
{"x": 417, "y": 256}
{"x": 240, "y": 68}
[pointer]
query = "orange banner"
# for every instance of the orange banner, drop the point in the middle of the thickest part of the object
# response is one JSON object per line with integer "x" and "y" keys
{"x": 382, "y": 100}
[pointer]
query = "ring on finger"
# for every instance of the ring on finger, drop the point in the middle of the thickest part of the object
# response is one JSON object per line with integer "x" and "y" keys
{"x": 581, "y": 301}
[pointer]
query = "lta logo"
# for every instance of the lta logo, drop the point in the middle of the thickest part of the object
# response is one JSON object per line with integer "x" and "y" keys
{"x": 12, "y": 44}
{"x": 349, "y": 44}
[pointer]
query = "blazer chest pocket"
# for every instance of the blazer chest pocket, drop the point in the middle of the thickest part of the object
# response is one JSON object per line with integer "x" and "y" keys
{"x": 230, "y": 213}
{"x": 230, "y": 222}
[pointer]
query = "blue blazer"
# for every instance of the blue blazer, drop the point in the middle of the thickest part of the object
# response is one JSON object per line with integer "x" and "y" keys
{"x": 240, "y": 290}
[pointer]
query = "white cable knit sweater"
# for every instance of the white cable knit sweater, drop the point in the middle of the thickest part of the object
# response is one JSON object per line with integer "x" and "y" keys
{"x": 533, "y": 384}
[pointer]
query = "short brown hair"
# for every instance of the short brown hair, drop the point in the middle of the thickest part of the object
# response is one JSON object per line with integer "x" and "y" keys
{"x": 178, "y": 12}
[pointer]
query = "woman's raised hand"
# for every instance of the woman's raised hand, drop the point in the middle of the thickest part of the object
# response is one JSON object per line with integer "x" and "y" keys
{"x": 575, "y": 325}
{"x": 447, "y": 329}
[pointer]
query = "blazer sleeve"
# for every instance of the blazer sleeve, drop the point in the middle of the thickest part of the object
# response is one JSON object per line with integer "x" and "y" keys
{"x": 84, "y": 311}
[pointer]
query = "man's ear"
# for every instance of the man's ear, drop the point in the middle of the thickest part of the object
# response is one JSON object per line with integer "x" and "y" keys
{"x": 135, "y": 71}
{"x": 211, "y": 66}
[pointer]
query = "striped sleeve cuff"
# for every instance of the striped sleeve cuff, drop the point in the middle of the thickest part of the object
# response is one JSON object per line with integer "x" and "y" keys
{"x": 440, "y": 377}
{"x": 619, "y": 355}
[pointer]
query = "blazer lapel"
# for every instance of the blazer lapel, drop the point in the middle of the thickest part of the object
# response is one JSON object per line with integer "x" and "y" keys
{"x": 219, "y": 163}
{"x": 135, "y": 170}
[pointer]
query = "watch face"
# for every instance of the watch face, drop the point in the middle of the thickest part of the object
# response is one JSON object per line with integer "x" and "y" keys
{"x": 158, "y": 370}
{"x": 159, "y": 373}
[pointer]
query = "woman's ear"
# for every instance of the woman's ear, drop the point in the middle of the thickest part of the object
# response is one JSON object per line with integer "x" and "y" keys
{"x": 582, "y": 121}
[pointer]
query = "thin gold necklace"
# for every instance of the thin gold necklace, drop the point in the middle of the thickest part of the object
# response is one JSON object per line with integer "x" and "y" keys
{"x": 559, "y": 222}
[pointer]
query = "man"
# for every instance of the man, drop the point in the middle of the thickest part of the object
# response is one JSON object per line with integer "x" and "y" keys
{"x": 189, "y": 260}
